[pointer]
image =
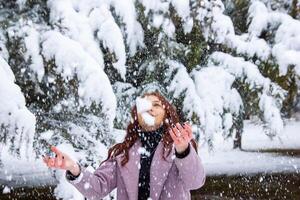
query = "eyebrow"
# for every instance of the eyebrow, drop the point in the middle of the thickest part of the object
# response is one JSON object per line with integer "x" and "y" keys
{"x": 156, "y": 101}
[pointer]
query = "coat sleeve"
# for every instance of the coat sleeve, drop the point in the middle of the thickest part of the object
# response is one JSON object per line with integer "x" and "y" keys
{"x": 98, "y": 184}
{"x": 191, "y": 170}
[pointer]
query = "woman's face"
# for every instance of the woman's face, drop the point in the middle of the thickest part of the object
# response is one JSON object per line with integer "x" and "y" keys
{"x": 157, "y": 111}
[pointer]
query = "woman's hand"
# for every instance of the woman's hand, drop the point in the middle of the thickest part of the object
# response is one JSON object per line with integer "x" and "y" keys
{"x": 62, "y": 161}
{"x": 181, "y": 136}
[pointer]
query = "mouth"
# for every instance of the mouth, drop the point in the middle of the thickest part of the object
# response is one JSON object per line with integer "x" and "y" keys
{"x": 148, "y": 119}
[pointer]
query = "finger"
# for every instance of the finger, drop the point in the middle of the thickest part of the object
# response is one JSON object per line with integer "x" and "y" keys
{"x": 45, "y": 159}
{"x": 187, "y": 136}
{"x": 56, "y": 150}
{"x": 187, "y": 126}
{"x": 184, "y": 135}
{"x": 190, "y": 135}
{"x": 176, "y": 131}
{"x": 179, "y": 139}
{"x": 51, "y": 162}
{"x": 173, "y": 136}
{"x": 63, "y": 162}
{"x": 182, "y": 138}
{"x": 189, "y": 130}
{"x": 59, "y": 160}
{"x": 180, "y": 128}
{"x": 180, "y": 135}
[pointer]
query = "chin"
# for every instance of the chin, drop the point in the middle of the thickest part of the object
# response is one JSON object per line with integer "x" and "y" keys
{"x": 151, "y": 128}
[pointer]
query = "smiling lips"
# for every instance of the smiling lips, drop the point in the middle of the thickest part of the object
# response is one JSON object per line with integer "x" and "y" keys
{"x": 152, "y": 115}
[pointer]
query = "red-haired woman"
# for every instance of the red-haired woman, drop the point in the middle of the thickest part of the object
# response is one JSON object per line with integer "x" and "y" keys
{"x": 157, "y": 160}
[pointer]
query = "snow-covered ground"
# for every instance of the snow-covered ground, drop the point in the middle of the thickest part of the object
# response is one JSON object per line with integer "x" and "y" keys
{"x": 223, "y": 160}
{"x": 18, "y": 173}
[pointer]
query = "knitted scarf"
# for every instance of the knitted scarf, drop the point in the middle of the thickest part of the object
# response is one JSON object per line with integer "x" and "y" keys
{"x": 149, "y": 140}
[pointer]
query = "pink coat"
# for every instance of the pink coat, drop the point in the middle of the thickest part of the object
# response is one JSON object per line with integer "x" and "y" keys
{"x": 172, "y": 178}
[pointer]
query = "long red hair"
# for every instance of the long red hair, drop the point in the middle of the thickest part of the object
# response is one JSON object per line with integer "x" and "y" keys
{"x": 171, "y": 117}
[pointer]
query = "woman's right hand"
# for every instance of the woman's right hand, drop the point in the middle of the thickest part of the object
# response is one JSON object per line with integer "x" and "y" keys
{"x": 62, "y": 161}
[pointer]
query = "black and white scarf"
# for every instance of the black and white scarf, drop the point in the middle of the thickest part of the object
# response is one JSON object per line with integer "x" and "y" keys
{"x": 149, "y": 142}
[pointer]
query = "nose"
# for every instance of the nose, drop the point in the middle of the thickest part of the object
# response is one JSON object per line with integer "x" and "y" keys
{"x": 151, "y": 111}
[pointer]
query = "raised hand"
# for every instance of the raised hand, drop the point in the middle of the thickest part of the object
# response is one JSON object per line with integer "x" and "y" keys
{"x": 181, "y": 135}
{"x": 61, "y": 161}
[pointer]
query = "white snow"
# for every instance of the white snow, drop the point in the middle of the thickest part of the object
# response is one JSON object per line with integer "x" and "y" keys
{"x": 143, "y": 151}
{"x": 225, "y": 160}
{"x": 286, "y": 48}
{"x": 157, "y": 20}
{"x": 71, "y": 60}
{"x": 249, "y": 45}
{"x": 16, "y": 121}
{"x": 3, "y": 49}
{"x": 134, "y": 32}
{"x": 148, "y": 119}
{"x": 64, "y": 189}
{"x": 19, "y": 172}
{"x": 219, "y": 28}
{"x": 76, "y": 34}
{"x": 6, "y": 190}
{"x": 32, "y": 43}
{"x": 156, "y": 6}
{"x": 269, "y": 105}
{"x": 110, "y": 34}
{"x": 217, "y": 94}
{"x": 182, "y": 8}
{"x": 46, "y": 135}
{"x": 182, "y": 82}
{"x": 143, "y": 105}
{"x": 84, "y": 20}
{"x": 210, "y": 92}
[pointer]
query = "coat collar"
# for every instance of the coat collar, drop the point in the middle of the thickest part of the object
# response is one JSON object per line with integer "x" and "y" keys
{"x": 158, "y": 171}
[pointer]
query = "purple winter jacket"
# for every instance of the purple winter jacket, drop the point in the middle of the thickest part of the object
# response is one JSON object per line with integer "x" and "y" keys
{"x": 172, "y": 178}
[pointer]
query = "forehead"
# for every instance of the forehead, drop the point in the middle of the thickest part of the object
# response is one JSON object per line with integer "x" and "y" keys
{"x": 152, "y": 98}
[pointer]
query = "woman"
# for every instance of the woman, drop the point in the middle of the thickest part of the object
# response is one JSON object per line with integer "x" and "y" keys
{"x": 157, "y": 159}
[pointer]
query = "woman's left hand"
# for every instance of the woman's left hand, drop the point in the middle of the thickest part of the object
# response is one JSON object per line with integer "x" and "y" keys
{"x": 181, "y": 135}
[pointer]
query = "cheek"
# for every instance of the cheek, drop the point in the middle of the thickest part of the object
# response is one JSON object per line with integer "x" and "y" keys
{"x": 161, "y": 115}
{"x": 139, "y": 118}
